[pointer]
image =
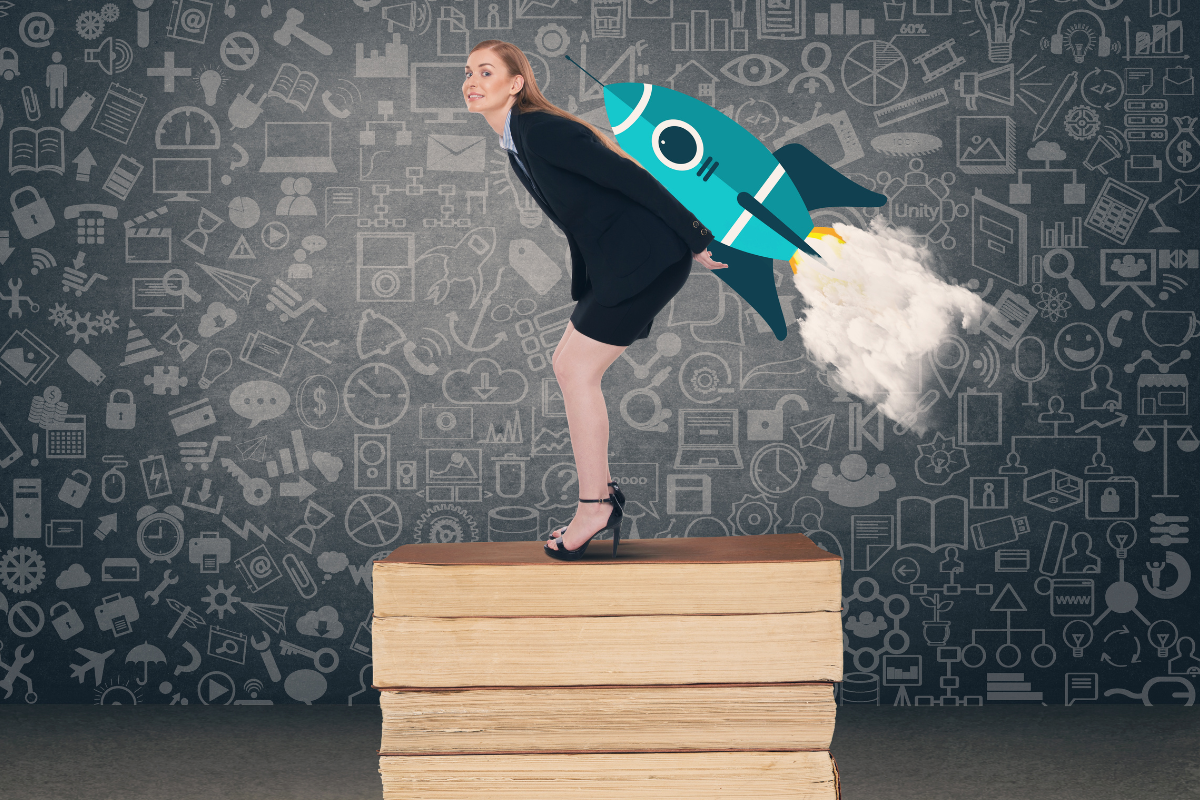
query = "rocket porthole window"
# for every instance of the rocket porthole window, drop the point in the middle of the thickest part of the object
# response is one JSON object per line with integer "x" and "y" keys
{"x": 677, "y": 144}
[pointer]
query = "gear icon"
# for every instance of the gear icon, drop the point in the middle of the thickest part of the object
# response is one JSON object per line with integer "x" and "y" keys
{"x": 108, "y": 321}
{"x": 1082, "y": 123}
{"x": 87, "y": 331}
{"x": 552, "y": 40}
{"x": 60, "y": 314}
{"x": 219, "y": 608}
{"x": 22, "y": 570}
{"x": 89, "y": 25}
{"x": 110, "y": 12}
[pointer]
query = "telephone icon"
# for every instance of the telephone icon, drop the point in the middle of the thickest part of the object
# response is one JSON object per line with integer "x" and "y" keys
{"x": 90, "y": 228}
{"x": 327, "y": 99}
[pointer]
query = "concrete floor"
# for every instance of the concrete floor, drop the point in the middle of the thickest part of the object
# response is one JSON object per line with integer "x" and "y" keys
{"x": 324, "y": 752}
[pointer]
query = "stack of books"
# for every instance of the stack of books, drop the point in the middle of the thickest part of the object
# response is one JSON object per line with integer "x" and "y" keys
{"x": 682, "y": 668}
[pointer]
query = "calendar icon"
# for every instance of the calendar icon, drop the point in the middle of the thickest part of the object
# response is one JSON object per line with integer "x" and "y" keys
{"x": 68, "y": 439}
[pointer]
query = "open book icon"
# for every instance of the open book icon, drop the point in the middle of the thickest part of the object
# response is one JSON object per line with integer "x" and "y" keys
{"x": 293, "y": 86}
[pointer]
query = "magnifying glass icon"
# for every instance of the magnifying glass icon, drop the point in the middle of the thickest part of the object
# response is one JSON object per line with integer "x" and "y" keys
{"x": 1078, "y": 289}
{"x": 185, "y": 285}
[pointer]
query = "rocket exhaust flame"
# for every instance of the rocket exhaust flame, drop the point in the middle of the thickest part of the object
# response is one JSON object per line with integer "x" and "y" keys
{"x": 875, "y": 310}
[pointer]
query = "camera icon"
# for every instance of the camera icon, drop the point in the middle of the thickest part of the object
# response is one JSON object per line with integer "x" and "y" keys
{"x": 447, "y": 422}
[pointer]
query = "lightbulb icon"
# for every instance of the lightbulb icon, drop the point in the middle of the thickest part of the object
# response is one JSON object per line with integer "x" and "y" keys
{"x": 210, "y": 82}
{"x": 1121, "y": 536}
{"x": 216, "y": 364}
{"x": 1000, "y": 19}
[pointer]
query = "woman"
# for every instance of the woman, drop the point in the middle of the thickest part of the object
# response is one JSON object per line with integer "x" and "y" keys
{"x": 631, "y": 244}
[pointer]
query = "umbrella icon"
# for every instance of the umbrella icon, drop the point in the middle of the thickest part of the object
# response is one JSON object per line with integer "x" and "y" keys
{"x": 145, "y": 653}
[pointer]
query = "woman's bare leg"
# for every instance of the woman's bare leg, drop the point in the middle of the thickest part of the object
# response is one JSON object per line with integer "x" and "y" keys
{"x": 579, "y": 364}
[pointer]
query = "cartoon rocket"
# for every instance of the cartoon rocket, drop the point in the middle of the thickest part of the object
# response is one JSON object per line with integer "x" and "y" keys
{"x": 755, "y": 202}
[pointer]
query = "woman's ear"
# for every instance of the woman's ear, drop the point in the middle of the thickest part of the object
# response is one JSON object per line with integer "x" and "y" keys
{"x": 518, "y": 83}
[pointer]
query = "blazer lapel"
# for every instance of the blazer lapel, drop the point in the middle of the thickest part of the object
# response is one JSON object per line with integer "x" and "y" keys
{"x": 518, "y": 141}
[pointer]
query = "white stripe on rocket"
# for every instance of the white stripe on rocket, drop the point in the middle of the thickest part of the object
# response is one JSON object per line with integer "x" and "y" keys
{"x": 760, "y": 195}
{"x": 637, "y": 111}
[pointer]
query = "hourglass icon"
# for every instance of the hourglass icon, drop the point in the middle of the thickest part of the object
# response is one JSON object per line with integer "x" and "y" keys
{"x": 1145, "y": 441}
{"x": 1016, "y": 368}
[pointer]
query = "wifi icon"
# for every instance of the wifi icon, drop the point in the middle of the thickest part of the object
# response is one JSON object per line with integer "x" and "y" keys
{"x": 1171, "y": 285}
{"x": 42, "y": 259}
{"x": 988, "y": 364}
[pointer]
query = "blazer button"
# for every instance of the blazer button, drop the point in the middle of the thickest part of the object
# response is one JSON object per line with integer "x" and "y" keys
{"x": 695, "y": 224}
{"x": 704, "y": 231}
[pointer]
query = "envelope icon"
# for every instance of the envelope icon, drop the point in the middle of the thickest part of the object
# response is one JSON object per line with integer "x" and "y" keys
{"x": 1179, "y": 81}
{"x": 455, "y": 153}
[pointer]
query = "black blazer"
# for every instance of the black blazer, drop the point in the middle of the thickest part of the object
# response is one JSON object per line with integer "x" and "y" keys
{"x": 623, "y": 226}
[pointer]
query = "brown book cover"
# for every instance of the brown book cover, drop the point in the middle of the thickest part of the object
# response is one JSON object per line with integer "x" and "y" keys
{"x": 772, "y": 573}
{"x": 589, "y": 719}
{"x": 699, "y": 550}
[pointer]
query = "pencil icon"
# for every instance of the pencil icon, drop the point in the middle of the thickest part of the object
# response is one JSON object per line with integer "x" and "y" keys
{"x": 1061, "y": 96}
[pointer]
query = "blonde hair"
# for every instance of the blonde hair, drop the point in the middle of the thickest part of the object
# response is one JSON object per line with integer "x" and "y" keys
{"x": 530, "y": 98}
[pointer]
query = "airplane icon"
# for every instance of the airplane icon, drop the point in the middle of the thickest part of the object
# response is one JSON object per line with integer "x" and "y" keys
{"x": 94, "y": 661}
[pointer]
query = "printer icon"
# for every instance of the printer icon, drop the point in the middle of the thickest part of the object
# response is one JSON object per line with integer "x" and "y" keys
{"x": 1143, "y": 168}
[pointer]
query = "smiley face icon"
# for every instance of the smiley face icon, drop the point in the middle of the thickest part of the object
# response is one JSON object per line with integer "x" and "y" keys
{"x": 1078, "y": 346}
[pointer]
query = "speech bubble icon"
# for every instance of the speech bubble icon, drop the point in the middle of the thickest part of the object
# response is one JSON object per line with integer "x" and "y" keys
{"x": 259, "y": 400}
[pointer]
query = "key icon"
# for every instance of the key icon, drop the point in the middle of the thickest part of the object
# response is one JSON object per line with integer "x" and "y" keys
{"x": 256, "y": 490}
{"x": 288, "y": 649}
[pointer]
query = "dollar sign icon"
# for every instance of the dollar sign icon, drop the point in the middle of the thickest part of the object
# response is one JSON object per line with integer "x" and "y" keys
{"x": 1185, "y": 153}
{"x": 319, "y": 398}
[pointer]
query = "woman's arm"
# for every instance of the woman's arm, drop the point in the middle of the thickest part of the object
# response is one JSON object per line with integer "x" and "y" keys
{"x": 568, "y": 145}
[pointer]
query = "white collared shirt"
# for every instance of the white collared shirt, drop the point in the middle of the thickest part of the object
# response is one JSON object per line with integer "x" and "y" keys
{"x": 506, "y": 141}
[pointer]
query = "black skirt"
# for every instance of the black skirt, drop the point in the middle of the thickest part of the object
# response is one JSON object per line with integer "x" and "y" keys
{"x": 630, "y": 319}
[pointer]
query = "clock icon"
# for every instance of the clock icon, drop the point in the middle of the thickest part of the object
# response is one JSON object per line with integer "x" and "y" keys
{"x": 187, "y": 128}
{"x": 244, "y": 212}
{"x": 160, "y": 533}
{"x": 777, "y": 468}
{"x": 376, "y": 395}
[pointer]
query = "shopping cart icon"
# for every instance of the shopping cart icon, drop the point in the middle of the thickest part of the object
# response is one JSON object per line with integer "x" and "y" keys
{"x": 201, "y": 453}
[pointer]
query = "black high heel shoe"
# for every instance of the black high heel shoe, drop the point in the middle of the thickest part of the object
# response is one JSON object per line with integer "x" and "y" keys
{"x": 562, "y": 553}
{"x": 617, "y": 493}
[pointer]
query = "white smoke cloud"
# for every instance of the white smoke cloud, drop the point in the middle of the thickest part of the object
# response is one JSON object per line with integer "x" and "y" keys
{"x": 891, "y": 311}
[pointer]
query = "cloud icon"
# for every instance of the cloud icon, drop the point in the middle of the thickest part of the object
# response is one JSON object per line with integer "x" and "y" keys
{"x": 73, "y": 577}
{"x": 1046, "y": 151}
{"x": 323, "y": 622}
{"x": 484, "y": 382}
{"x": 329, "y": 465}
{"x": 332, "y": 561}
{"x": 218, "y": 318}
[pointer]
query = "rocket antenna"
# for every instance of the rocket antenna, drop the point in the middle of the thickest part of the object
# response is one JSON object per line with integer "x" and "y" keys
{"x": 585, "y": 72}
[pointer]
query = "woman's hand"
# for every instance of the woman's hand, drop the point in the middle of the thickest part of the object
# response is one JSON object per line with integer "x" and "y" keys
{"x": 706, "y": 259}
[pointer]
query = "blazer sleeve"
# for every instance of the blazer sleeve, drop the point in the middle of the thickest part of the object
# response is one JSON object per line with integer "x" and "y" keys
{"x": 568, "y": 145}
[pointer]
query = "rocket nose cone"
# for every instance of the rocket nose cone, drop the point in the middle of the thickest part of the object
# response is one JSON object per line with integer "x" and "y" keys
{"x": 620, "y": 102}
{"x": 627, "y": 93}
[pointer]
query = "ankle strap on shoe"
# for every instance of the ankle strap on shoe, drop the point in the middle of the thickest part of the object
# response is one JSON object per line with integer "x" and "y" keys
{"x": 601, "y": 500}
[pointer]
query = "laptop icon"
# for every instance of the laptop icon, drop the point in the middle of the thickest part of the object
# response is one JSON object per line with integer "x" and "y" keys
{"x": 298, "y": 147}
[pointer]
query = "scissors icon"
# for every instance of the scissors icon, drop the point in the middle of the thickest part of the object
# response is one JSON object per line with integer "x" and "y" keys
{"x": 185, "y": 285}
{"x": 1078, "y": 289}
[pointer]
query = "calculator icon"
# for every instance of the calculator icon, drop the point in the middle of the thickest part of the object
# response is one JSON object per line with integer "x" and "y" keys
{"x": 1116, "y": 210}
{"x": 68, "y": 439}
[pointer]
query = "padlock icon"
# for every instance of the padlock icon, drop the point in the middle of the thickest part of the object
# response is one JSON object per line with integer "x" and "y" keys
{"x": 767, "y": 426}
{"x": 74, "y": 493}
{"x": 68, "y": 623}
{"x": 33, "y": 218}
{"x": 1110, "y": 502}
{"x": 120, "y": 416}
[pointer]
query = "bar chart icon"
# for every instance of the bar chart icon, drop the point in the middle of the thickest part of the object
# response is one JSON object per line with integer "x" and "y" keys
{"x": 840, "y": 21}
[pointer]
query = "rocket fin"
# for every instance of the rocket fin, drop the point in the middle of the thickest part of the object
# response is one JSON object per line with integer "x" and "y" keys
{"x": 753, "y": 278}
{"x": 764, "y": 215}
{"x": 820, "y": 185}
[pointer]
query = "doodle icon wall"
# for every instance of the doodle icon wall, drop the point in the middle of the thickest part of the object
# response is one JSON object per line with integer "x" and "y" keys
{"x": 276, "y": 305}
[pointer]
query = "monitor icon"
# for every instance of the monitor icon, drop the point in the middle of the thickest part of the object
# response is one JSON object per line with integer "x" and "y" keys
{"x": 298, "y": 147}
{"x": 182, "y": 177}
{"x": 433, "y": 84}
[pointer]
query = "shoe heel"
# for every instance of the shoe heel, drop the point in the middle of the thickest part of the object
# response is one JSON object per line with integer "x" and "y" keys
{"x": 616, "y": 536}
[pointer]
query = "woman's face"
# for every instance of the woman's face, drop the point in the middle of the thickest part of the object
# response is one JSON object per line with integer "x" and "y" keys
{"x": 487, "y": 86}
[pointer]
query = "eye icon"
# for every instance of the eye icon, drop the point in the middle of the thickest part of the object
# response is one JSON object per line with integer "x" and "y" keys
{"x": 754, "y": 70}
{"x": 677, "y": 144}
